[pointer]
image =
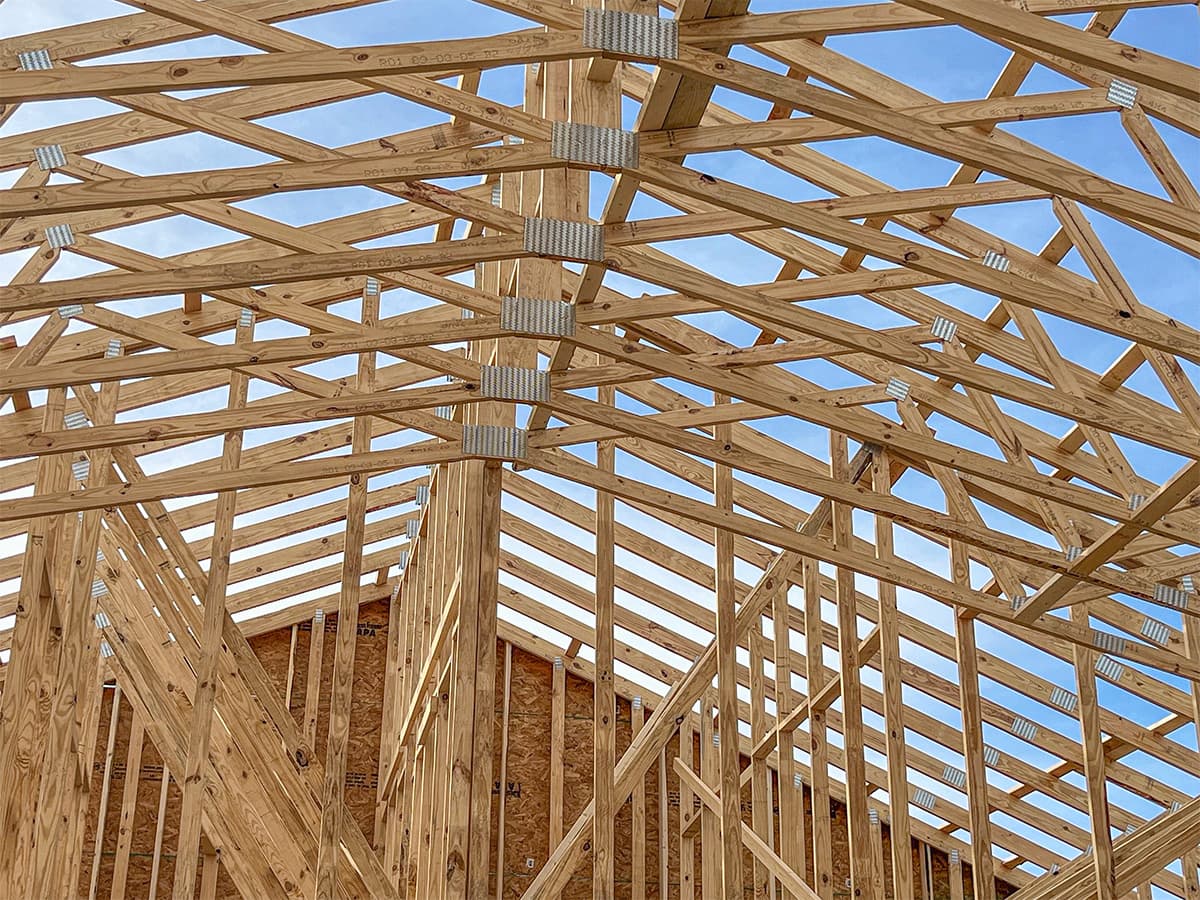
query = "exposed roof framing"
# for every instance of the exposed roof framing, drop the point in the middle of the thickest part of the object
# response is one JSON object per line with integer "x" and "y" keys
{"x": 874, "y": 496}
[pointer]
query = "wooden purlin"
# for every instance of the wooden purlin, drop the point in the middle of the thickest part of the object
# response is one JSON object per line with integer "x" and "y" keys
{"x": 1095, "y": 531}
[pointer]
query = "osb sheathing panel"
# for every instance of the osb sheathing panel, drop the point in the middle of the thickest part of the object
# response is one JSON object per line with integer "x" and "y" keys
{"x": 526, "y": 792}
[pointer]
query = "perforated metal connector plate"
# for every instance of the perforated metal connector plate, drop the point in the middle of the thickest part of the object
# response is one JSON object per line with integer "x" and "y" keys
{"x": 956, "y": 777}
{"x": 101, "y": 619}
{"x": 1189, "y": 583}
{"x": 1107, "y": 641}
{"x": 80, "y": 469}
{"x": 113, "y": 350}
{"x": 422, "y": 494}
{"x": 1171, "y": 596}
{"x": 1073, "y": 553}
{"x": 991, "y": 756}
{"x": 75, "y": 419}
{"x": 594, "y": 145}
{"x": 98, "y": 588}
{"x": 924, "y": 799}
{"x": 514, "y": 383}
{"x": 59, "y": 236}
{"x": 444, "y": 412}
{"x": 50, "y": 157}
{"x": 1064, "y": 699}
{"x": 1109, "y": 667}
{"x": 372, "y": 285}
{"x": 529, "y": 315}
{"x": 412, "y": 528}
{"x": 873, "y": 816}
{"x": 993, "y": 259}
{"x": 1156, "y": 631}
{"x": 1136, "y": 501}
{"x": 631, "y": 34}
{"x": 897, "y": 389}
{"x": 105, "y": 650}
{"x": 1024, "y": 729}
{"x": 245, "y": 318}
{"x": 944, "y": 329}
{"x": 565, "y": 240}
{"x": 495, "y": 441}
{"x": 1122, "y": 93}
{"x": 72, "y": 309}
{"x": 34, "y": 60}
{"x": 402, "y": 560}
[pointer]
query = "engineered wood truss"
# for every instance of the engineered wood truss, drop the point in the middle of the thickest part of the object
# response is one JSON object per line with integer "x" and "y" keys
{"x": 625, "y": 354}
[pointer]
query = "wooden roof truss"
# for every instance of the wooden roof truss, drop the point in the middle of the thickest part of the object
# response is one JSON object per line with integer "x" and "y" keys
{"x": 724, "y": 574}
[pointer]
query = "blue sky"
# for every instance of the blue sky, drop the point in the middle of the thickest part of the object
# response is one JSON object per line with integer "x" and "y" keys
{"x": 945, "y": 63}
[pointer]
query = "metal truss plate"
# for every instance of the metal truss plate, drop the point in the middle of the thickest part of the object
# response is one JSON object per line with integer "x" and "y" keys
{"x": 59, "y": 236}
{"x": 594, "y": 145}
{"x": 34, "y": 60}
{"x": 1171, "y": 596}
{"x": 565, "y": 240}
{"x": 1024, "y": 729}
{"x": 1156, "y": 631}
{"x": 944, "y": 328}
{"x": 50, "y": 157}
{"x": 1107, "y": 641}
{"x": 495, "y": 441}
{"x": 956, "y": 777}
{"x": 514, "y": 383}
{"x": 1064, "y": 699}
{"x": 631, "y": 34}
{"x": 1109, "y": 667}
{"x": 1122, "y": 93}
{"x": 993, "y": 259}
{"x": 897, "y": 389}
{"x": 529, "y": 315}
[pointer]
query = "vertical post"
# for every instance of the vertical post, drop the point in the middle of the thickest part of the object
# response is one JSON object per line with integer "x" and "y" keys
{"x": 159, "y": 826}
{"x": 791, "y": 795}
{"x": 687, "y": 804}
{"x": 982, "y": 871}
{"x": 956, "y": 876}
{"x": 893, "y": 696}
{"x": 329, "y": 850}
{"x": 62, "y": 794}
{"x": 727, "y": 722}
{"x": 312, "y": 687}
{"x": 195, "y": 773}
{"x": 605, "y": 757}
{"x": 637, "y": 715}
{"x": 664, "y": 857}
{"x": 1093, "y": 762}
{"x": 503, "y": 771}
{"x": 852, "y": 726}
{"x": 110, "y": 748}
{"x": 710, "y": 822}
{"x": 818, "y": 746}
{"x": 558, "y": 709}
{"x": 760, "y": 816}
{"x": 133, "y": 767}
